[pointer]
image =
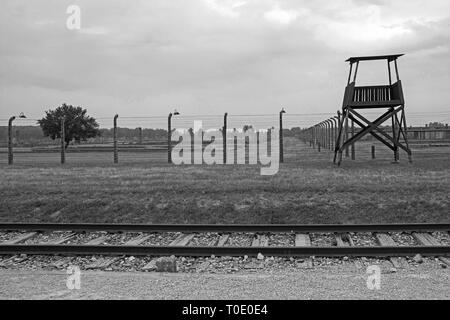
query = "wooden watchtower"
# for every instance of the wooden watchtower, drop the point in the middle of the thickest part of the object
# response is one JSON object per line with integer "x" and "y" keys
{"x": 388, "y": 99}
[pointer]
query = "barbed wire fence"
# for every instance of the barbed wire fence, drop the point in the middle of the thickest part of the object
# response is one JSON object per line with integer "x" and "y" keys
{"x": 144, "y": 138}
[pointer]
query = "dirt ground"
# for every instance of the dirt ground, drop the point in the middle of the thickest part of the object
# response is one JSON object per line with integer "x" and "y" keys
{"x": 428, "y": 281}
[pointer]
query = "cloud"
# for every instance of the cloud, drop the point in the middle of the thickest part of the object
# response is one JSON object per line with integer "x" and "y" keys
{"x": 94, "y": 30}
{"x": 45, "y": 22}
{"x": 210, "y": 56}
{"x": 225, "y": 8}
{"x": 278, "y": 15}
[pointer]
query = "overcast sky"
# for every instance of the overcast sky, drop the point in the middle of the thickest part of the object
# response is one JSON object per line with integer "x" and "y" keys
{"x": 211, "y": 56}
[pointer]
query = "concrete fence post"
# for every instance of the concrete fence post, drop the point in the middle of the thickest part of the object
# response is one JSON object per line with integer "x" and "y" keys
{"x": 224, "y": 133}
{"x": 281, "y": 136}
{"x": 10, "y": 143}
{"x": 63, "y": 140}
{"x": 116, "y": 152}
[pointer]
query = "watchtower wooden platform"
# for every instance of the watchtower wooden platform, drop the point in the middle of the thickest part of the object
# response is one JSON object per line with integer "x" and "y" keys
{"x": 358, "y": 98}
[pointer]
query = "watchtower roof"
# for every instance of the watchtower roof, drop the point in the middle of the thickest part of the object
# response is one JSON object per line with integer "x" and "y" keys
{"x": 390, "y": 57}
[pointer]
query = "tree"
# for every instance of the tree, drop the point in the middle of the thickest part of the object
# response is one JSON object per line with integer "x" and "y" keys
{"x": 77, "y": 124}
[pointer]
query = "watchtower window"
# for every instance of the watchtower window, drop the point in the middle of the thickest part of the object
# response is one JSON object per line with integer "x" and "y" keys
{"x": 372, "y": 73}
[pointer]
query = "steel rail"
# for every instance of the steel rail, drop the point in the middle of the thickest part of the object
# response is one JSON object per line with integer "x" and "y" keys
{"x": 225, "y": 227}
{"x": 125, "y": 250}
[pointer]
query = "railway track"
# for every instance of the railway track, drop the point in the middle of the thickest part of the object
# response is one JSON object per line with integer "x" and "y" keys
{"x": 380, "y": 240}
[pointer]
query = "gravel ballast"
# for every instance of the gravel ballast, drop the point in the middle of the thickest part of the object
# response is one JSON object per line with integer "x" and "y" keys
{"x": 330, "y": 282}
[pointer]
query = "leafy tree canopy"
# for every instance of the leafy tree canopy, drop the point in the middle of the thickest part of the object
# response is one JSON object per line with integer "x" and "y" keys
{"x": 77, "y": 124}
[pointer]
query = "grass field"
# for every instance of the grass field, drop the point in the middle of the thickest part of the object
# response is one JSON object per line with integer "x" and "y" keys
{"x": 307, "y": 189}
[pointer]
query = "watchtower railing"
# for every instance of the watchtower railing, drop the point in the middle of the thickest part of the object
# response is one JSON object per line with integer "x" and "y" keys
{"x": 374, "y": 95}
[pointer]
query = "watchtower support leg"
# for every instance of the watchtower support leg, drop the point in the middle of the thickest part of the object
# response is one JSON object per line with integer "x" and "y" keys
{"x": 394, "y": 136}
{"x": 337, "y": 146}
{"x": 353, "y": 144}
{"x": 373, "y": 128}
{"x": 346, "y": 133}
{"x": 405, "y": 136}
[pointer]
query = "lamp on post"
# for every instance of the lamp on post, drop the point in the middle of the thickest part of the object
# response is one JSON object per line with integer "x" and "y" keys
{"x": 334, "y": 125}
{"x": 224, "y": 133}
{"x": 169, "y": 135}
{"x": 320, "y": 136}
{"x": 329, "y": 130}
{"x": 63, "y": 138}
{"x": 116, "y": 152}
{"x": 337, "y": 143}
{"x": 10, "y": 143}
{"x": 314, "y": 135}
{"x": 281, "y": 135}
